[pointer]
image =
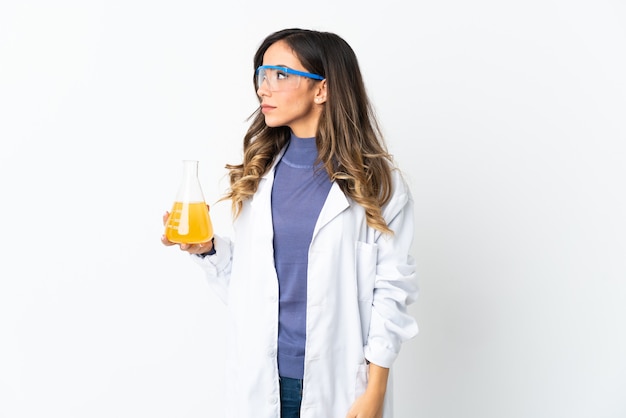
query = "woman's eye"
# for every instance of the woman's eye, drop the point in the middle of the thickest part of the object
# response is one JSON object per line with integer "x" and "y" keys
{"x": 281, "y": 75}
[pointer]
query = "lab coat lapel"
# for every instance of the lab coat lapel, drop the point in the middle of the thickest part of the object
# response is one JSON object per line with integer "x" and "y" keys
{"x": 336, "y": 202}
{"x": 261, "y": 203}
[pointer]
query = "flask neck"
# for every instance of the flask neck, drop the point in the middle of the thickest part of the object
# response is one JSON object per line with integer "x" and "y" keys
{"x": 190, "y": 170}
{"x": 190, "y": 190}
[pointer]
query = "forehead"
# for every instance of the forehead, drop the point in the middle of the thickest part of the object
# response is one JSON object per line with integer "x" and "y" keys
{"x": 279, "y": 53}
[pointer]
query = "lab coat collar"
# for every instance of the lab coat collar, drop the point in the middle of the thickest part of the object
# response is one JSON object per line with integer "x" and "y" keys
{"x": 336, "y": 202}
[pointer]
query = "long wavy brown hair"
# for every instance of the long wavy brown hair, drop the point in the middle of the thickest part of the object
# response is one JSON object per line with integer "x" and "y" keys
{"x": 349, "y": 141}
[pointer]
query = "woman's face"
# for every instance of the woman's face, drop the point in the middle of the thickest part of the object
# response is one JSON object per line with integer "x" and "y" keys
{"x": 298, "y": 107}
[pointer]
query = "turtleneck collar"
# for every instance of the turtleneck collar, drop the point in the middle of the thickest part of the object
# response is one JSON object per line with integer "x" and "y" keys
{"x": 301, "y": 152}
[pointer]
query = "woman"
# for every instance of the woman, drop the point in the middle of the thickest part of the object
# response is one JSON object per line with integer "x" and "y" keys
{"x": 318, "y": 275}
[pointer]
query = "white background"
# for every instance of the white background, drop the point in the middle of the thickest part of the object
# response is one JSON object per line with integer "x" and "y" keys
{"x": 508, "y": 118}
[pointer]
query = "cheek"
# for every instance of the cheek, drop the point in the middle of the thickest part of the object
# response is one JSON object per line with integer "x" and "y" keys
{"x": 300, "y": 99}
{"x": 290, "y": 108}
{"x": 302, "y": 106}
{"x": 296, "y": 108}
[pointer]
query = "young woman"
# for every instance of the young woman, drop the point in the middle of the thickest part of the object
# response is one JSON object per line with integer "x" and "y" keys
{"x": 318, "y": 276}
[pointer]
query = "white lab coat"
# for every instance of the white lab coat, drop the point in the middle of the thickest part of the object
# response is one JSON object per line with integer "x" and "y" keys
{"x": 359, "y": 284}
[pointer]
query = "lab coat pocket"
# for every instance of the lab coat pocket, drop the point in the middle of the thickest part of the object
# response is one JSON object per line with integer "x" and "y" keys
{"x": 366, "y": 255}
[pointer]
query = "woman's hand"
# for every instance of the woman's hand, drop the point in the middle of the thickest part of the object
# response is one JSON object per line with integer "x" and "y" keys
{"x": 190, "y": 248}
{"x": 370, "y": 404}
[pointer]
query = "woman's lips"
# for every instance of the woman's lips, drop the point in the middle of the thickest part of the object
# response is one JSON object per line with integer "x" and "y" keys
{"x": 266, "y": 108}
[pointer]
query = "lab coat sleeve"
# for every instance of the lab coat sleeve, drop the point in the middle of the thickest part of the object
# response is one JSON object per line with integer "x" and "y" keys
{"x": 395, "y": 286}
{"x": 217, "y": 267}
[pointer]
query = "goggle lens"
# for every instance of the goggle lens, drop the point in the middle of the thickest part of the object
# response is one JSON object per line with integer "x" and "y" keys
{"x": 281, "y": 78}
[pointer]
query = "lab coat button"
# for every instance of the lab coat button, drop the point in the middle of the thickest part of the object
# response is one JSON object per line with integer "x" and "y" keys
{"x": 274, "y": 400}
{"x": 271, "y": 352}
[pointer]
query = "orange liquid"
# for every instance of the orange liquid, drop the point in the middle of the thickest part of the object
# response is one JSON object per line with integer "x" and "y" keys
{"x": 189, "y": 223}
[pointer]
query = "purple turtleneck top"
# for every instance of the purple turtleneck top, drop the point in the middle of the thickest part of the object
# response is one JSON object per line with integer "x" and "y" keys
{"x": 299, "y": 192}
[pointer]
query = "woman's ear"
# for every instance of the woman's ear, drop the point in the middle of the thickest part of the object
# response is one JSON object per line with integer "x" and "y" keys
{"x": 320, "y": 93}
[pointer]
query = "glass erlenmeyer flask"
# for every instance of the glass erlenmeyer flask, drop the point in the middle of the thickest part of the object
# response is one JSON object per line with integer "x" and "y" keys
{"x": 189, "y": 221}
